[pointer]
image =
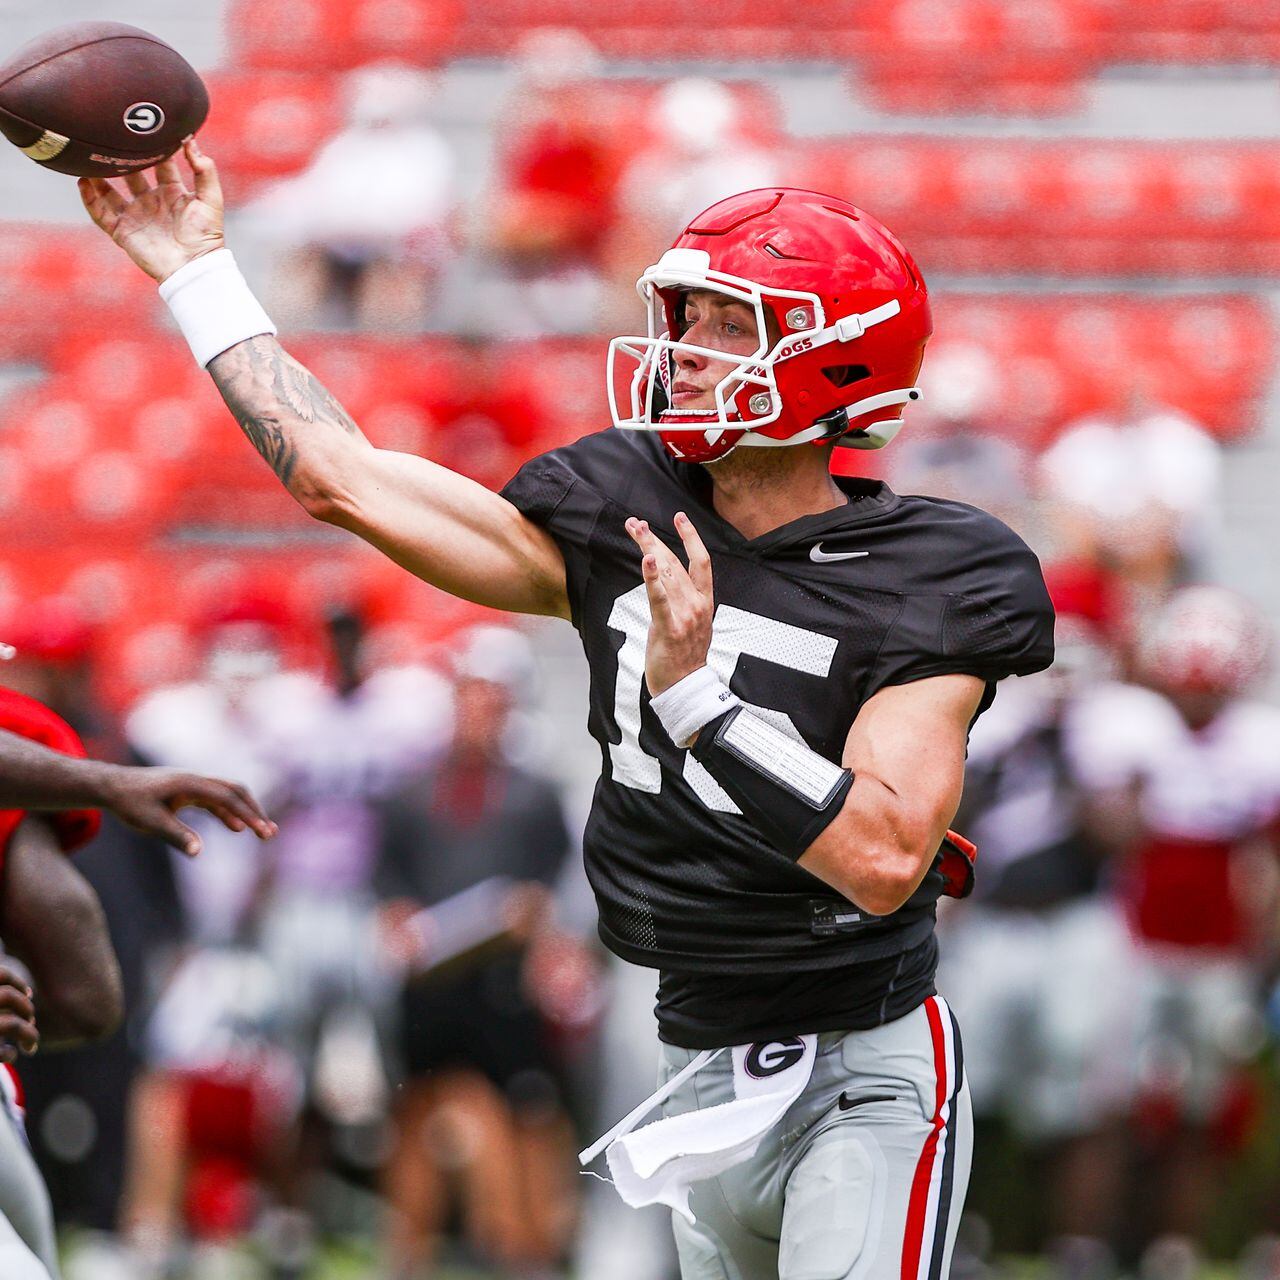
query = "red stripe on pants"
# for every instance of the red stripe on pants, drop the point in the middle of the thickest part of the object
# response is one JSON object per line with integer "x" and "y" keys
{"x": 918, "y": 1205}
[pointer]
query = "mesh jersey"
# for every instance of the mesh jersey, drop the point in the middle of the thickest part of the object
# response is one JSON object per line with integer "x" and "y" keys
{"x": 31, "y": 719}
{"x": 682, "y": 880}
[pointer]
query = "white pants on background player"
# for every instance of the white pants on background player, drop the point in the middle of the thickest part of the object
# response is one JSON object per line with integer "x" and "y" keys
{"x": 28, "y": 1248}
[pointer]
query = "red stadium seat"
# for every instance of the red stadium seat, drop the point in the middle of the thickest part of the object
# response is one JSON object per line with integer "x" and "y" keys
{"x": 57, "y": 279}
{"x": 267, "y": 124}
{"x": 976, "y": 56}
{"x": 333, "y": 35}
{"x": 1188, "y": 31}
{"x": 1063, "y": 356}
{"x": 113, "y": 369}
{"x": 724, "y": 30}
{"x": 1065, "y": 208}
{"x": 914, "y": 55}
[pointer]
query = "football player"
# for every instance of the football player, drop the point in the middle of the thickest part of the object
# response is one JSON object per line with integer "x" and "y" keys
{"x": 784, "y": 669}
{"x": 1047, "y": 1056}
{"x": 1192, "y": 764}
{"x": 50, "y": 796}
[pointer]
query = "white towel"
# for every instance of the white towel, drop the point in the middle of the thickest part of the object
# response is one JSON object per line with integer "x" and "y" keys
{"x": 659, "y": 1162}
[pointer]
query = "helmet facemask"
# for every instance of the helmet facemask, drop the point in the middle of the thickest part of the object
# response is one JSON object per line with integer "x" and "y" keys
{"x": 752, "y": 404}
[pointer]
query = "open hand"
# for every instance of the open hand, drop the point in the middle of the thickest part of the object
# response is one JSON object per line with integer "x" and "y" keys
{"x": 681, "y": 603}
{"x": 17, "y": 1017}
{"x": 160, "y": 223}
{"x": 148, "y": 800}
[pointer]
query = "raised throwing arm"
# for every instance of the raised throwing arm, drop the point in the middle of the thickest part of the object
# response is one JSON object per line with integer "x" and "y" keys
{"x": 443, "y": 527}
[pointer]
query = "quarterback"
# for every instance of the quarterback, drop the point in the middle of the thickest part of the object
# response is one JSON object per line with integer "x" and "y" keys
{"x": 784, "y": 669}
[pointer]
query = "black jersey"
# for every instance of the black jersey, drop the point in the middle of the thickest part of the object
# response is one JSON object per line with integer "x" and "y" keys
{"x": 811, "y": 619}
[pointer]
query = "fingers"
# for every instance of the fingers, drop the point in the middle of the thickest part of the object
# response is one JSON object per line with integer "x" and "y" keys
{"x": 696, "y": 551}
{"x": 652, "y": 545}
{"x": 658, "y": 566}
{"x": 15, "y": 996}
{"x": 253, "y": 812}
{"x": 18, "y": 1029}
{"x": 208, "y": 187}
{"x": 138, "y": 183}
{"x": 233, "y": 805}
{"x": 169, "y": 173}
{"x": 659, "y": 600}
{"x": 17, "y": 1034}
{"x": 102, "y": 201}
{"x": 158, "y": 821}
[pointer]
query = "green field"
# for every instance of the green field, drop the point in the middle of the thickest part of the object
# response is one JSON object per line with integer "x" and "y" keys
{"x": 356, "y": 1261}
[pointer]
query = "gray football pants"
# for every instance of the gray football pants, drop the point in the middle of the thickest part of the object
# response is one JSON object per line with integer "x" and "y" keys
{"x": 27, "y": 1243}
{"x": 863, "y": 1178}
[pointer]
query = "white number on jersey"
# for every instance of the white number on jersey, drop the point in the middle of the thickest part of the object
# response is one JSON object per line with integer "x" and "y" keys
{"x": 734, "y": 632}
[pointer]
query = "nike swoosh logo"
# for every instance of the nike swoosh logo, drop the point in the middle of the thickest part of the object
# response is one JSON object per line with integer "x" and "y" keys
{"x": 818, "y": 556}
{"x": 847, "y": 1103}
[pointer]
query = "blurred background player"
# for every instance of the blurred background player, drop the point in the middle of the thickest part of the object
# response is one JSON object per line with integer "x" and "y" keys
{"x": 1039, "y": 962}
{"x": 349, "y": 257}
{"x": 285, "y": 1045}
{"x": 1137, "y": 495}
{"x": 543, "y": 228}
{"x": 1195, "y": 758}
{"x": 480, "y": 1118}
{"x": 52, "y": 921}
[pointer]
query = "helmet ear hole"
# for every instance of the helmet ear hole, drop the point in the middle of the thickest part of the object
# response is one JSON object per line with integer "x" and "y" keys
{"x": 845, "y": 375}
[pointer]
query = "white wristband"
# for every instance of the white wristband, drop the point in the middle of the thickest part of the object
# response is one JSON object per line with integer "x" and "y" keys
{"x": 213, "y": 305}
{"x": 691, "y": 703}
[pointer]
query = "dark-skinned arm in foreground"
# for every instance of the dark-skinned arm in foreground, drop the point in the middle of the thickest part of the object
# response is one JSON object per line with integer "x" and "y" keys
{"x": 35, "y": 777}
{"x": 51, "y": 920}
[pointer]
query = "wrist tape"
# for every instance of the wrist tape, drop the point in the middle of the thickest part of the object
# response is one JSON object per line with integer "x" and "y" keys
{"x": 691, "y": 703}
{"x": 213, "y": 306}
{"x": 788, "y": 792}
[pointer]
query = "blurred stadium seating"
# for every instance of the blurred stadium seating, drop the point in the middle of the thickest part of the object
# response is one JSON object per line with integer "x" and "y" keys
{"x": 1068, "y": 208}
{"x": 268, "y": 123}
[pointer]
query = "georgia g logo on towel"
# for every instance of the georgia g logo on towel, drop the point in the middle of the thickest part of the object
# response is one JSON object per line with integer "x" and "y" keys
{"x": 771, "y": 1056}
{"x": 660, "y": 1162}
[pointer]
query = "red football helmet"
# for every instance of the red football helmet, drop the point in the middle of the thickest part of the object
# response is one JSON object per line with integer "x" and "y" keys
{"x": 846, "y": 301}
{"x": 1206, "y": 640}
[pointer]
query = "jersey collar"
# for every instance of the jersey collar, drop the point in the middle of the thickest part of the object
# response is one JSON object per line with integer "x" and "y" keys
{"x": 868, "y": 499}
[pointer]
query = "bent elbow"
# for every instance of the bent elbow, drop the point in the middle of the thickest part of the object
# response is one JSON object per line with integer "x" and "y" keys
{"x": 101, "y": 1017}
{"x": 321, "y": 502}
{"x": 882, "y": 899}
{"x": 895, "y": 877}
{"x": 89, "y": 1010}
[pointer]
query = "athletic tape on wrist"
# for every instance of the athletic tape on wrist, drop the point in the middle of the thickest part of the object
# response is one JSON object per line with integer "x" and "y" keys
{"x": 213, "y": 305}
{"x": 787, "y": 791}
{"x": 692, "y": 702}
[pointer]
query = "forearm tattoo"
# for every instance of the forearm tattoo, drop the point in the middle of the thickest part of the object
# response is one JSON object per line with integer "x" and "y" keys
{"x": 274, "y": 399}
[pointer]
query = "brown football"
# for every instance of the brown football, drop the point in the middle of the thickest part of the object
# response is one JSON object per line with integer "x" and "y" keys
{"x": 99, "y": 98}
